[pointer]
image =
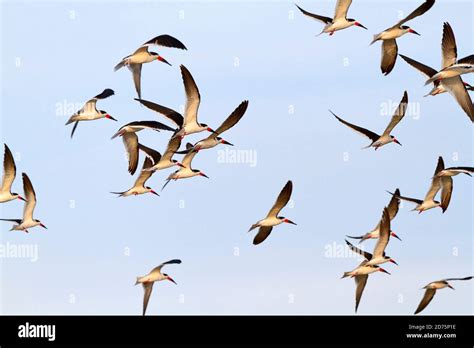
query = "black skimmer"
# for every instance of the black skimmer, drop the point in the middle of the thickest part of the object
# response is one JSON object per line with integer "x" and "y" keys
{"x": 214, "y": 139}
{"x": 9, "y": 173}
{"x": 360, "y": 275}
{"x": 340, "y": 20}
{"x": 378, "y": 257}
{"x": 89, "y": 111}
{"x": 454, "y": 85}
{"x": 453, "y": 171}
{"x": 443, "y": 183}
{"x": 141, "y": 56}
{"x": 429, "y": 72}
{"x": 139, "y": 187}
{"x": 27, "y": 221}
{"x": 137, "y": 126}
{"x": 389, "y": 36}
{"x": 272, "y": 219}
{"x": 155, "y": 275}
{"x": 186, "y": 171}
{"x": 386, "y": 137}
{"x": 431, "y": 291}
{"x": 189, "y": 123}
{"x": 162, "y": 162}
{"x": 392, "y": 208}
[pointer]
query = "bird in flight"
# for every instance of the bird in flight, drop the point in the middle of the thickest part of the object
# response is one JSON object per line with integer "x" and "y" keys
{"x": 392, "y": 208}
{"x": 443, "y": 183}
{"x": 9, "y": 174}
{"x": 141, "y": 56}
{"x": 389, "y": 36}
{"x": 27, "y": 221}
{"x": 89, "y": 111}
{"x": 160, "y": 162}
{"x": 155, "y": 275}
{"x": 431, "y": 291}
{"x": 189, "y": 123}
{"x": 272, "y": 219}
{"x": 340, "y": 20}
{"x": 386, "y": 137}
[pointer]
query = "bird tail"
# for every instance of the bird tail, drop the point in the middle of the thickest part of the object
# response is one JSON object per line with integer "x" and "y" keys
{"x": 120, "y": 65}
{"x": 137, "y": 280}
{"x": 346, "y": 274}
{"x": 375, "y": 38}
{"x": 116, "y": 135}
{"x": 120, "y": 194}
{"x": 71, "y": 120}
{"x": 254, "y": 226}
{"x": 430, "y": 80}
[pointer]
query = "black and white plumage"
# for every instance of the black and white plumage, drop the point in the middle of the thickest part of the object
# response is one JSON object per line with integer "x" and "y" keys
{"x": 141, "y": 56}
{"x": 389, "y": 36}
{"x": 431, "y": 289}
{"x": 137, "y": 126}
{"x": 385, "y": 137}
{"x": 89, "y": 111}
{"x": 155, "y": 275}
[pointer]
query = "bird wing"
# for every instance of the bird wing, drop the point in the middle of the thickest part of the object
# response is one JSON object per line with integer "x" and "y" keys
{"x": 424, "y": 69}
{"x": 159, "y": 267}
{"x": 263, "y": 233}
{"x": 193, "y": 98}
{"x": 105, "y": 94}
{"x": 449, "y": 52}
{"x": 165, "y": 41}
{"x": 155, "y": 125}
{"x": 465, "y": 278}
{"x": 394, "y": 204}
{"x": 398, "y": 115}
{"x": 144, "y": 175}
{"x": 342, "y": 6}
{"x": 446, "y": 191}
{"x": 136, "y": 70}
{"x": 173, "y": 146}
{"x": 323, "y": 19}
{"x": 154, "y": 155}
{"x": 30, "y": 197}
{"x": 384, "y": 235}
{"x": 435, "y": 182}
{"x": 409, "y": 199}
{"x": 467, "y": 60}
{"x": 429, "y": 293}
{"x": 360, "y": 281}
{"x": 389, "y": 55}
{"x": 188, "y": 158}
{"x": 9, "y": 171}
{"x": 130, "y": 140}
{"x": 369, "y": 134}
{"x": 91, "y": 105}
{"x": 417, "y": 12}
{"x": 456, "y": 88}
{"x": 233, "y": 118}
{"x": 74, "y": 128}
{"x": 147, "y": 287}
{"x": 170, "y": 114}
{"x": 465, "y": 170}
{"x": 282, "y": 199}
{"x": 361, "y": 252}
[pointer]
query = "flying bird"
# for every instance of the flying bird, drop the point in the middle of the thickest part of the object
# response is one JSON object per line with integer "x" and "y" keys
{"x": 392, "y": 208}
{"x": 272, "y": 219}
{"x": 162, "y": 162}
{"x": 189, "y": 123}
{"x": 340, "y": 20}
{"x": 389, "y": 36}
{"x": 9, "y": 173}
{"x": 431, "y": 291}
{"x": 214, "y": 139}
{"x": 186, "y": 171}
{"x": 360, "y": 275}
{"x": 139, "y": 187}
{"x": 141, "y": 56}
{"x": 137, "y": 126}
{"x": 27, "y": 221}
{"x": 427, "y": 71}
{"x": 386, "y": 137}
{"x": 378, "y": 257}
{"x": 89, "y": 111}
{"x": 154, "y": 276}
{"x": 443, "y": 183}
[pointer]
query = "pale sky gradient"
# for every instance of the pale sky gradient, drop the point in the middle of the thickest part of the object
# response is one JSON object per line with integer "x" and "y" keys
{"x": 61, "y": 53}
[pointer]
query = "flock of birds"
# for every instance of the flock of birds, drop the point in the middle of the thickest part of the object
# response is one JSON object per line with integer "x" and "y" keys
{"x": 448, "y": 79}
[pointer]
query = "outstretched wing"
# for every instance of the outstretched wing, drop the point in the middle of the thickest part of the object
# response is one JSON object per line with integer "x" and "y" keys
{"x": 398, "y": 115}
{"x": 417, "y": 12}
{"x": 325, "y": 20}
{"x": 429, "y": 293}
{"x": 165, "y": 41}
{"x": 282, "y": 199}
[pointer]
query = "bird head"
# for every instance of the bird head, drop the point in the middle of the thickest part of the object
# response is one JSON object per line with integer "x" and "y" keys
{"x": 284, "y": 219}
{"x": 407, "y": 29}
{"x": 106, "y": 115}
{"x": 395, "y": 140}
{"x": 357, "y": 24}
{"x": 151, "y": 190}
{"x": 169, "y": 278}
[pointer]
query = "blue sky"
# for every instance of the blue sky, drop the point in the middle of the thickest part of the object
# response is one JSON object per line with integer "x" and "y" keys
{"x": 55, "y": 55}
